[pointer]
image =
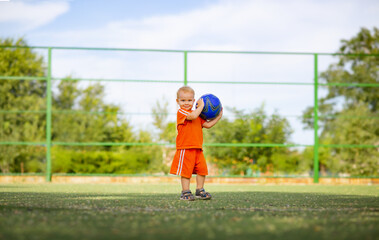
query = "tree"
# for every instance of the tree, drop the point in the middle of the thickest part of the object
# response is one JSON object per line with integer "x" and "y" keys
{"x": 79, "y": 115}
{"x": 166, "y": 132}
{"x": 22, "y": 98}
{"x": 350, "y": 114}
{"x": 83, "y": 116}
{"x": 255, "y": 127}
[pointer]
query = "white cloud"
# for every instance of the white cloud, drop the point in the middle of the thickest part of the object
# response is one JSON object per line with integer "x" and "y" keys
{"x": 27, "y": 16}
{"x": 294, "y": 25}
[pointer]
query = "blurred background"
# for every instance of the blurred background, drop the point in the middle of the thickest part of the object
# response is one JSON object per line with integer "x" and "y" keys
{"x": 115, "y": 67}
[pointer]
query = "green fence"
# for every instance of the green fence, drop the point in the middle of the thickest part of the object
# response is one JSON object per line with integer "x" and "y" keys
{"x": 47, "y": 144}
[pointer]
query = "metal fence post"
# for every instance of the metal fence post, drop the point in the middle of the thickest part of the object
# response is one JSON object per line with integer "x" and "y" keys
{"x": 48, "y": 118}
{"x": 315, "y": 123}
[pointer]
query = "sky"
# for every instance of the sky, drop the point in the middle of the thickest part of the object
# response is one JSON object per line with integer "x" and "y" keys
{"x": 229, "y": 25}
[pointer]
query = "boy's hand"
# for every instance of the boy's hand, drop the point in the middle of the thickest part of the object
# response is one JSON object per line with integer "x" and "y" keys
{"x": 200, "y": 104}
{"x": 213, "y": 122}
{"x": 199, "y": 107}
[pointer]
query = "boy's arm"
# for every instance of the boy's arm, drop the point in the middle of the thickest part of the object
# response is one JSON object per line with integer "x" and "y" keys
{"x": 213, "y": 121}
{"x": 195, "y": 114}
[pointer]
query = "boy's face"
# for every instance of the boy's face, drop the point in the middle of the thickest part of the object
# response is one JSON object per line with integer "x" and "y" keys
{"x": 185, "y": 100}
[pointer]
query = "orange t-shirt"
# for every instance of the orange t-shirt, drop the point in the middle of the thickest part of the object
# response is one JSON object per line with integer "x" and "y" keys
{"x": 190, "y": 132}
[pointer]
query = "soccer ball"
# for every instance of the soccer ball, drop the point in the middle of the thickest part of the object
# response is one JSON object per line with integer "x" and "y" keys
{"x": 212, "y": 107}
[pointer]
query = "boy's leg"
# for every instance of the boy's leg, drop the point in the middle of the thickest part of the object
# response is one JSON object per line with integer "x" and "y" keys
{"x": 200, "y": 169}
{"x": 186, "y": 192}
{"x": 185, "y": 183}
{"x": 200, "y": 181}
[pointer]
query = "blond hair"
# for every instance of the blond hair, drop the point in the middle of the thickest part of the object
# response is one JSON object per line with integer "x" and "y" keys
{"x": 185, "y": 89}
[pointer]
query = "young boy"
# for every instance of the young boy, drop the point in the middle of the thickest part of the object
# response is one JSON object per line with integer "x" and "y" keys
{"x": 189, "y": 158}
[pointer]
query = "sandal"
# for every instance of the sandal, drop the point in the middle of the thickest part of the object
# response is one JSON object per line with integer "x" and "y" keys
{"x": 202, "y": 194}
{"x": 187, "y": 196}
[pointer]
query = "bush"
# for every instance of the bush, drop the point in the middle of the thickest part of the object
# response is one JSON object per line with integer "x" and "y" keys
{"x": 129, "y": 161}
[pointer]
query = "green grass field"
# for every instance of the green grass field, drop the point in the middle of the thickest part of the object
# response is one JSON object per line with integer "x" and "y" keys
{"x": 123, "y": 211}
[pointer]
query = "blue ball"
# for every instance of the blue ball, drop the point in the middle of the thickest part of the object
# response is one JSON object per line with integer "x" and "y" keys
{"x": 212, "y": 107}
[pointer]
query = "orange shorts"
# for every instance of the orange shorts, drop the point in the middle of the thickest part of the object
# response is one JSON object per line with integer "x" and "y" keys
{"x": 189, "y": 161}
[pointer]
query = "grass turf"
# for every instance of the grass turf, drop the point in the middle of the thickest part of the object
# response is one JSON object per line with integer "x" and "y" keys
{"x": 142, "y": 211}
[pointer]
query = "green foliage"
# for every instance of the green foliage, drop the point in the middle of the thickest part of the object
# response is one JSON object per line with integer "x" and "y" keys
{"x": 166, "y": 134}
{"x": 25, "y": 95}
{"x": 354, "y": 109}
{"x": 73, "y": 161}
{"x": 79, "y": 115}
{"x": 83, "y": 116}
{"x": 167, "y": 130}
{"x": 255, "y": 127}
{"x": 354, "y": 130}
{"x": 22, "y": 159}
{"x": 155, "y": 153}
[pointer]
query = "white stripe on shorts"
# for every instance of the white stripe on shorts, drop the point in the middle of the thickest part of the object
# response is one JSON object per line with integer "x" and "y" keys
{"x": 181, "y": 159}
